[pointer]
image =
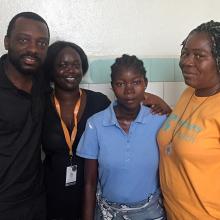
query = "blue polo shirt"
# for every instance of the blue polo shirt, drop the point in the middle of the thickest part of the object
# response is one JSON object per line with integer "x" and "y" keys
{"x": 128, "y": 162}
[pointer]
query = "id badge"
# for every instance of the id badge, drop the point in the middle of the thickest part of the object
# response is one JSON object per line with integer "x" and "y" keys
{"x": 71, "y": 172}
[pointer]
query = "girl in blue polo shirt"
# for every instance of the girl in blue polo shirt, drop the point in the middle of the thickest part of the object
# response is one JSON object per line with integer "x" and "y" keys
{"x": 121, "y": 153}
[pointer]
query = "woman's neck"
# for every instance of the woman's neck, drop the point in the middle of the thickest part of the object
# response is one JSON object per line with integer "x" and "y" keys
{"x": 208, "y": 91}
{"x": 125, "y": 116}
{"x": 123, "y": 113}
{"x": 67, "y": 97}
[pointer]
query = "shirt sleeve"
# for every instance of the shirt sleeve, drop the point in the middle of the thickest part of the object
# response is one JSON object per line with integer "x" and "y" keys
{"x": 88, "y": 146}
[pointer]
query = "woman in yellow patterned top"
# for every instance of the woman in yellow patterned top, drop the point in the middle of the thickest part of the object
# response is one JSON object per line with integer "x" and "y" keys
{"x": 190, "y": 138}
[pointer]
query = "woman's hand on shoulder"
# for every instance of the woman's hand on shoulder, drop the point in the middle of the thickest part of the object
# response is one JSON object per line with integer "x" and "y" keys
{"x": 157, "y": 104}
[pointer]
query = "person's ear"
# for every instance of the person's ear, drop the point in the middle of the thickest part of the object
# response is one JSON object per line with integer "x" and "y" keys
{"x": 145, "y": 82}
{"x": 111, "y": 84}
{"x": 6, "y": 42}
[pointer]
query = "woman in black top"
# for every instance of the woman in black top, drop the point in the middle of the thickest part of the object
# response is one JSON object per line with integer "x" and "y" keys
{"x": 66, "y": 64}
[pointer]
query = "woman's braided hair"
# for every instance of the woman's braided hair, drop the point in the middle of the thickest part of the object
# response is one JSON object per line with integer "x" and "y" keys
{"x": 128, "y": 62}
{"x": 213, "y": 29}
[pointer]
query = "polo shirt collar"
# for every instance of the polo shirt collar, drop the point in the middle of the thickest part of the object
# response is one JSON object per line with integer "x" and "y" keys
{"x": 110, "y": 117}
{"x": 7, "y": 84}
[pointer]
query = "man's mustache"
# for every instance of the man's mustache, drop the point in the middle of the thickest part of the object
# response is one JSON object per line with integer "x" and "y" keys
{"x": 33, "y": 56}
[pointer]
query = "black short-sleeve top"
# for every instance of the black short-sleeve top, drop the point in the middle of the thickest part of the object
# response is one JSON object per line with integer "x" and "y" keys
{"x": 56, "y": 151}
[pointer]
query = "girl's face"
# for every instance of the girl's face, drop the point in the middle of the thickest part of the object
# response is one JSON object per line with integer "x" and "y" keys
{"x": 197, "y": 62}
{"x": 129, "y": 86}
{"x": 68, "y": 69}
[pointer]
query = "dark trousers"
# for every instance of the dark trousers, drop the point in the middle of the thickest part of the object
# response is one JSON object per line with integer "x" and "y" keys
{"x": 34, "y": 209}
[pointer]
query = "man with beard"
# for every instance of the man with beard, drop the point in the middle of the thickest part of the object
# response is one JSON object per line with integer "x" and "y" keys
{"x": 22, "y": 93}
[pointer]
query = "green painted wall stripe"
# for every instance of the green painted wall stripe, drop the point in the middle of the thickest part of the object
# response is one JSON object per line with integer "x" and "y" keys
{"x": 158, "y": 70}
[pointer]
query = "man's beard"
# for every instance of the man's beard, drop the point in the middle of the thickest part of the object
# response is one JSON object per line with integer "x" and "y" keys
{"x": 16, "y": 62}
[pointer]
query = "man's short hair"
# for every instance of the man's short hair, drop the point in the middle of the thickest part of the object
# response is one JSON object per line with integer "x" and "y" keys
{"x": 29, "y": 15}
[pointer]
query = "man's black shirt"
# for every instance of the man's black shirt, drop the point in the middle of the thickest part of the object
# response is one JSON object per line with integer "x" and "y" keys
{"x": 20, "y": 130}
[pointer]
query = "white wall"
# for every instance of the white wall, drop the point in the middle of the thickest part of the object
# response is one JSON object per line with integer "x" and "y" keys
{"x": 153, "y": 28}
{"x": 112, "y": 27}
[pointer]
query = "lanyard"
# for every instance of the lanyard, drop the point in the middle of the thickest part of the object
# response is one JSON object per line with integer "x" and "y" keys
{"x": 69, "y": 139}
